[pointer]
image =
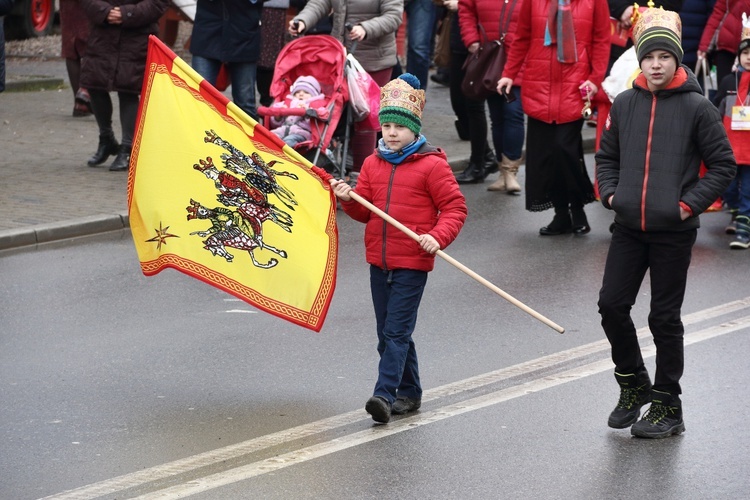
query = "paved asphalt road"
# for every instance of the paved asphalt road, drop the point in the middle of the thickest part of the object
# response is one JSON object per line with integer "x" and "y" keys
{"x": 116, "y": 385}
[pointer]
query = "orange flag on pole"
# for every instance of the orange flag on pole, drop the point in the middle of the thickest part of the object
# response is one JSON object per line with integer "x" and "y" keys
{"x": 216, "y": 196}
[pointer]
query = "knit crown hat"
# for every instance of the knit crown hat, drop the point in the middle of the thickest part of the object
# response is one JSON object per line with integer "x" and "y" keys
{"x": 307, "y": 83}
{"x": 657, "y": 29}
{"x": 745, "y": 36}
{"x": 402, "y": 102}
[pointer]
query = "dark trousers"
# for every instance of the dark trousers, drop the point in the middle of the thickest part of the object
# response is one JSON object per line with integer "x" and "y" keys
{"x": 667, "y": 257}
{"x": 396, "y": 295}
{"x": 101, "y": 103}
{"x": 470, "y": 113}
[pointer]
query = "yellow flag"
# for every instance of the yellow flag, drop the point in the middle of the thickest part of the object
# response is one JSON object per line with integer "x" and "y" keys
{"x": 216, "y": 196}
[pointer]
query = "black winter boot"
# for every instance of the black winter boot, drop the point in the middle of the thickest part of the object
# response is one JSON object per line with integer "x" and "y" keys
{"x": 579, "y": 220}
{"x": 474, "y": 174}
{"x": 122, "y": 160}
{"x": 662, "y": 419}
{"x": 490, "y": 162}
{"x": 635, "y": 391}
{"x": 560, "y": 224}
{"x": 107, "y": 147}
{"x": 742, "y": 234}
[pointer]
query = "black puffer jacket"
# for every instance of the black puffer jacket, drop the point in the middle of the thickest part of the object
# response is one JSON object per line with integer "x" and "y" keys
{"x": 116, "y": 53}
{"x": 651, "y": 150}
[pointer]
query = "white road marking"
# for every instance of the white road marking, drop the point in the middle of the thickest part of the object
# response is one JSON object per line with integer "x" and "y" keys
{"x": 181, "y": 466}
{"x": 241, "y": 311}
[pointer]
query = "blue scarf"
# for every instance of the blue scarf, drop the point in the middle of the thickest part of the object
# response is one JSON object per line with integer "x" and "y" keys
{"x": 396, "y": 157}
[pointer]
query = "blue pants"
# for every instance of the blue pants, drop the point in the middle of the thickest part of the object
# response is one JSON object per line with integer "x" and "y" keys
{"x": 737, "y": 195}
{"x": 667, "y": 257}
{"x": 507, "y": 124}
{"x": 420, "y": 26}
{"x": 242, "y": 76}
{"x": 396, "y": 296}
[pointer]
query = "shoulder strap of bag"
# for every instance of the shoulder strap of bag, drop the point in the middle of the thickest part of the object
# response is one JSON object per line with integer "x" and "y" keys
{"x": 504, "y": 29}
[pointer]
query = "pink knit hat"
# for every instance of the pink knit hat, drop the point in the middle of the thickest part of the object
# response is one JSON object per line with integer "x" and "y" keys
{"x": 307, "y": 83}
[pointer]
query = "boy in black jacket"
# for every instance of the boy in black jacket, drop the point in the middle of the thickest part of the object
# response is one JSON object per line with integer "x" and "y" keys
{"x": 656, "y": 136}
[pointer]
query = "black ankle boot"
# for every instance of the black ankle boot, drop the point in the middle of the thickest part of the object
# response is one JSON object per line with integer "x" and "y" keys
{"x": 473, "y": 174}
{"x": 122, "y": 160}
{"x": 560, "y": 224}
{"x": 579, "y": 221}
{"x": 107, "y": 147}
{"x": 490, "y": 163}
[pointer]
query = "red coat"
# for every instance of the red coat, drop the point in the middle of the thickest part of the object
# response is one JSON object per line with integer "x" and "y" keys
{"x": 726, "y": 18}
{"x": 487, "y": 13}
{"x": 550, "y": 89}
{"x": 422, "y": 194}
{"x": 739, "y": 139}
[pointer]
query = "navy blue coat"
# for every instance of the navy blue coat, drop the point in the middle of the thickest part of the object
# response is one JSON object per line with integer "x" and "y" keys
{"x": 694, "y": 15}
{"x": 227, "y": 30}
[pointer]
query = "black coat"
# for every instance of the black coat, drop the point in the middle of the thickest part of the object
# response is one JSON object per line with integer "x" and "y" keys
{"x": 227, "y": 30}
{"x": 116, "y": 53}
{"x": 651, "y": 151}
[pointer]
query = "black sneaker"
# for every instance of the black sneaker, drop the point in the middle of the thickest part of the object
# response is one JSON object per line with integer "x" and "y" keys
{"x": 405, "y": 405}
{"x": 379, "y": 409}
{"x": 663, "y": 418}
{"x": 635, "y": 391}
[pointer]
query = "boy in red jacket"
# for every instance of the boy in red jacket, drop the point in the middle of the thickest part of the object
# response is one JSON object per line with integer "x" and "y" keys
{"x": 655, "y": 137}
{"x": 412, "y": 181}
{"x": 735, "y": 108}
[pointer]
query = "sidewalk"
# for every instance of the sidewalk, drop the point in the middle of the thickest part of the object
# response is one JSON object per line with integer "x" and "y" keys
{"x": 47, "y": 192}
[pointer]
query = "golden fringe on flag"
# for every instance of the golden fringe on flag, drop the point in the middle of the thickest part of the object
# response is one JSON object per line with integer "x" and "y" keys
{"x": 216, "y": 196}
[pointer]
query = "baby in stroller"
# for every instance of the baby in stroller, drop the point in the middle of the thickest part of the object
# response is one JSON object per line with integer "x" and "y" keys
{"x": 318, "y": 58}
{"x": 304, "y": 94}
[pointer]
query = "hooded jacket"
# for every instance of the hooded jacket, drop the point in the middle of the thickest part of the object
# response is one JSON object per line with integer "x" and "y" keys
{"x": 422, "y": 193}
{"x": 651, "y": 151}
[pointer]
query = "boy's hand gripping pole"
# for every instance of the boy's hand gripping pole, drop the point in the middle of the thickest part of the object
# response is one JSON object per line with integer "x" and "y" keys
{"x": 457, "y": 264}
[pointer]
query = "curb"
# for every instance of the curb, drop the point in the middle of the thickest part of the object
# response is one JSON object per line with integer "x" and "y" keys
{"x": 31, "y": 83}
{"x": 55, "y": 231}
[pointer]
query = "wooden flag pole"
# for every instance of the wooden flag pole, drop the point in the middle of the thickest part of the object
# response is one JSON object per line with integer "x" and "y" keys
{"x": 460, "y": 266}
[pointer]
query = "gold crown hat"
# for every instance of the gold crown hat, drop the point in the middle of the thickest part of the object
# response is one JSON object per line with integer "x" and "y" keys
{"x": 655, "y": 29}
{"x": 402, "y": 101}
{"x": 745, "y": 36}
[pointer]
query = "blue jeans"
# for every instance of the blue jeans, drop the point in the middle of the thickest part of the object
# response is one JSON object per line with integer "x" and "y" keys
{"x": 396, "y": 296}
{"x": 737, "y": 195}
{"x": 420, "y": 26}
{"x": 242, "y": 76}
{"x": 507, "y": 124}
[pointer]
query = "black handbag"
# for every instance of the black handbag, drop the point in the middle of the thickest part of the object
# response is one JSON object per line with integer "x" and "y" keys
{"x": 484, "y": 67}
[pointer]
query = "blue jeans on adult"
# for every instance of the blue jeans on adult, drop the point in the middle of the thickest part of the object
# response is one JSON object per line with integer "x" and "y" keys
{"x": 396, "y": 295}
{"x": 507, "y": 124}
{"x": 737, "y": 195}
{"x": 420, "y": 28}
{"x": 242, "y": 77}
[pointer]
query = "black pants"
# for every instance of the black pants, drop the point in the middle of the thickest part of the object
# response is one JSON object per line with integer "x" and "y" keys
{"x": 667, "y": 257}
{"x": 469, "y": 112}
{"x": 101, "y": 104}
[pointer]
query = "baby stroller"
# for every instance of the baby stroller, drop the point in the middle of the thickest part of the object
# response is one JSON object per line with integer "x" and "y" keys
{"x": 323, "y": 57}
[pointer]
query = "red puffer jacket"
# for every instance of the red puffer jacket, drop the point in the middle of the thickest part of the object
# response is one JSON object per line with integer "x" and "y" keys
{"x": 726, "y": 24}
{"x": 487, "y": 13}
{"x": 550, "y": 88}
{"x": 422, "y": 194}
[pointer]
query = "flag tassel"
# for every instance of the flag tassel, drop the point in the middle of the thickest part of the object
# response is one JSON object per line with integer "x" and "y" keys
{"x": 459, "y": 265}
